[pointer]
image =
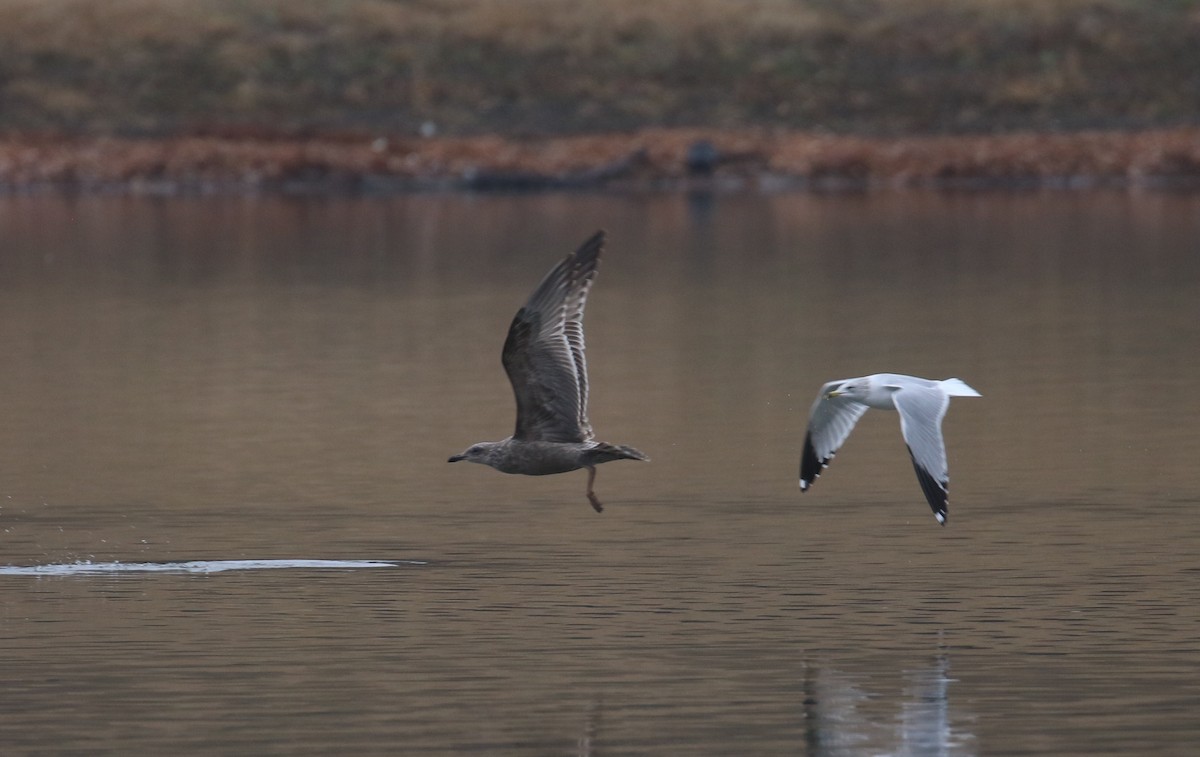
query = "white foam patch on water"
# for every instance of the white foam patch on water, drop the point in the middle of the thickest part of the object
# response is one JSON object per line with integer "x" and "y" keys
{"x": 195, "y": 566}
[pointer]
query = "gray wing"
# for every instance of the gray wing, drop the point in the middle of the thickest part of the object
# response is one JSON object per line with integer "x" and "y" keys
{"x": 829, "y": 423}
{"x": 921, "y": 412}
{"x": 544, "y": 352}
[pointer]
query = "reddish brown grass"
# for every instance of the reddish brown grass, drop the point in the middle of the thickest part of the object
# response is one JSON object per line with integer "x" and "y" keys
{"x": 652, "y": 157}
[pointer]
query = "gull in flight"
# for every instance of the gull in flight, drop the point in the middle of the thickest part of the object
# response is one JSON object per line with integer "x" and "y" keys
{"x": 921, "y": 403}
{"x": 544, "y": 359}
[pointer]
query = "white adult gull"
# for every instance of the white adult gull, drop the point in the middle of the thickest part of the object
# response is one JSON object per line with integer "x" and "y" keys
{"x": 544, "y": 359}
{"x": 921, "y": 403}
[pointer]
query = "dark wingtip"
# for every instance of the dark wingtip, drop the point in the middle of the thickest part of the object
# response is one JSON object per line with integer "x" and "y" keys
{"x": 937, "y": 493}
{"x": 586, "y": 257}
{"x": 811, "y": 465}
{"x": 594, "y": 243}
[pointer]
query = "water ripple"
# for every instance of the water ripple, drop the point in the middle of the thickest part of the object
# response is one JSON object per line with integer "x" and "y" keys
{"x": 193, "y": 566}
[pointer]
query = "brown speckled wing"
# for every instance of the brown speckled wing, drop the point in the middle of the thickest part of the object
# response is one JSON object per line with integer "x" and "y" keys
{"x": 544, "y": 352}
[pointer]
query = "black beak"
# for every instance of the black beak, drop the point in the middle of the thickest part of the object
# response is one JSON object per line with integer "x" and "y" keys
{"x": 456, "y": 458}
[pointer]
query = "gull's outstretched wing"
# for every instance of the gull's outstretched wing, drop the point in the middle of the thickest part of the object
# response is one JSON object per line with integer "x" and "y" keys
{"x": 544, "y": 352}
{"x": 829, "y": 423}
{"x": 921, "y": 411}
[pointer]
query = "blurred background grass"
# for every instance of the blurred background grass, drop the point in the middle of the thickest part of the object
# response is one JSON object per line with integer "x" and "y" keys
{"x": 544, "y": 67}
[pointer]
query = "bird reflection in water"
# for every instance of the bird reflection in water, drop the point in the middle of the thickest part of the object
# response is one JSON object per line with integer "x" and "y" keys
{"x": 586, "y": 743}
{"x": 843, "y": 717}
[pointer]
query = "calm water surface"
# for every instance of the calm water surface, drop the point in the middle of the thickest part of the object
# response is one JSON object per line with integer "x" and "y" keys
{"x": 250, "y": 383}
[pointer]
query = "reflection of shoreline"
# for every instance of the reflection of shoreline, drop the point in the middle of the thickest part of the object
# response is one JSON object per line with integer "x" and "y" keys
{"x": 651, "y": 158}
{"x": 839, "y": 717}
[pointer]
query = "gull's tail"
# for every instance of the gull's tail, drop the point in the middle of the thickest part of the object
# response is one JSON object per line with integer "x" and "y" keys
{"x": 957, "y": 388}
{"x": 604, "y": 452}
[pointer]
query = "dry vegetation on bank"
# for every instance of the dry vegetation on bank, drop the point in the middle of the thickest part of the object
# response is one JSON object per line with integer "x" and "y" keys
{"x": 521, "y": 67}
{"x": 653, "y": 158}
{"x": 171, "y": 94}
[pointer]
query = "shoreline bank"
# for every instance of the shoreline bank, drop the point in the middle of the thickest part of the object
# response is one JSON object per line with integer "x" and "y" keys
{"x": 666, "y": 159}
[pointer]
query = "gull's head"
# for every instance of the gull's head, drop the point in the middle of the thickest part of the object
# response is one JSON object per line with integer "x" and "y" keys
{"x": 855, "y": 389}
{"x": 476, "y": 453}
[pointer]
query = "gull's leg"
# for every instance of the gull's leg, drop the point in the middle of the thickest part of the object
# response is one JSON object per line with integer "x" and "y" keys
{"x": 591, "y": 495}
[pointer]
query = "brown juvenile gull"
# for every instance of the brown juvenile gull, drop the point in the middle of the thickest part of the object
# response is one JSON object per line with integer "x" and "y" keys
{"x": 921, "y": 403}
{"x": 544, "y": 359}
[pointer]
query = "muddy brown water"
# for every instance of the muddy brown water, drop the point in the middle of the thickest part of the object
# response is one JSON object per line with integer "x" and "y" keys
{"x": 198, "y": 389}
